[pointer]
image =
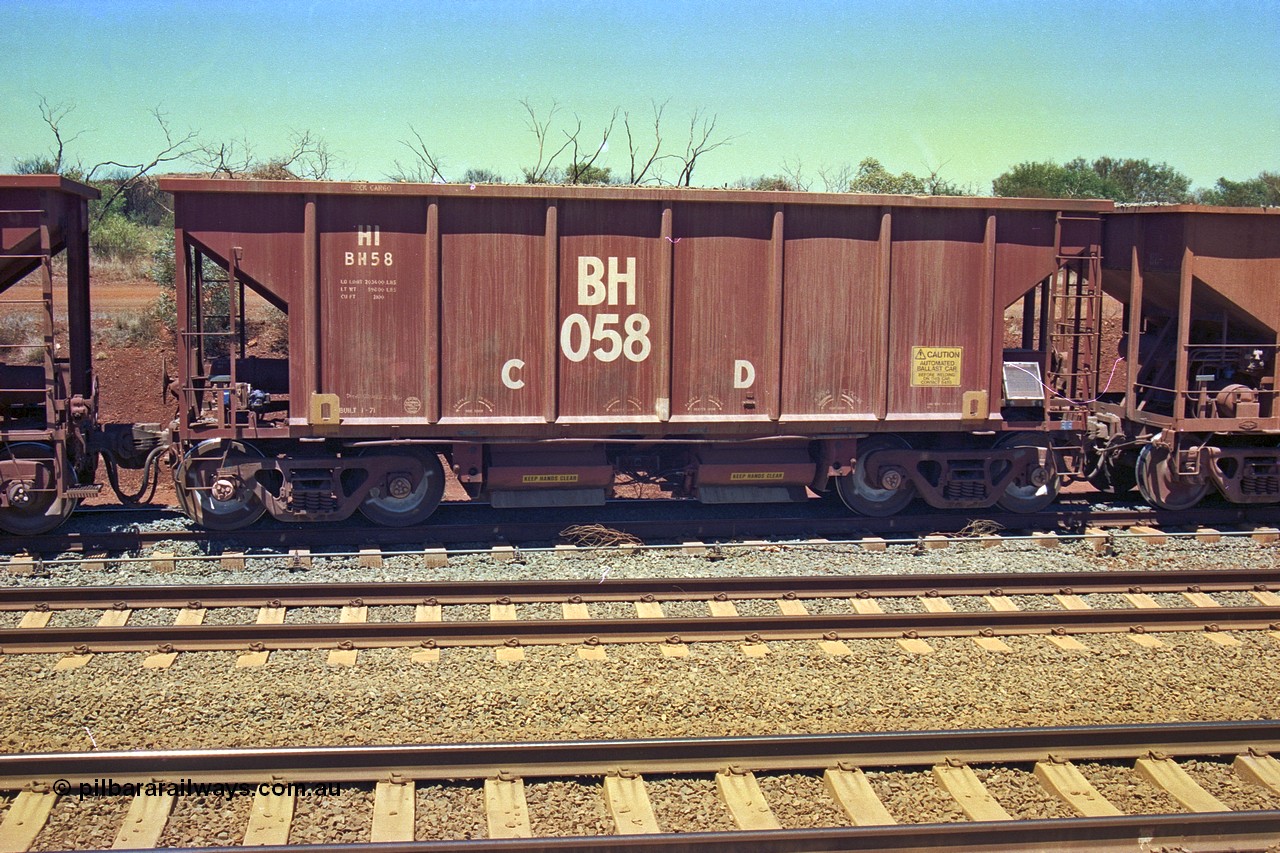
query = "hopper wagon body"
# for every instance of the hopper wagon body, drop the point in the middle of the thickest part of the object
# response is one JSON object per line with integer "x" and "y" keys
{"x": 736, "y": 346}
{"x": 48, "y": 399}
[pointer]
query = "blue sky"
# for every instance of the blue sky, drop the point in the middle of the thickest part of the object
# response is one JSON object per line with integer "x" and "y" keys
{"x": 969, "y": 88}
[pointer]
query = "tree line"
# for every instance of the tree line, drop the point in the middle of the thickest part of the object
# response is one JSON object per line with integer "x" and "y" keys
{"x": 656, "y": 150}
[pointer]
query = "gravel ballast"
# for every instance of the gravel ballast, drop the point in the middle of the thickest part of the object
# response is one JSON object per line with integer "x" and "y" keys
{"x": 204, "y": 820}
{"x": 203, "y": 700}
{"x": 452, "y": 812}
{"x": 688, "y": 804}
{"x": 566, "y": 807}
{"x": 76, "y": 823}
{"x": 1012, "y": 556}
{"x": 297, "y": 699}
{"x": 914, "y": 797}
{"x": 1121, "y": 785}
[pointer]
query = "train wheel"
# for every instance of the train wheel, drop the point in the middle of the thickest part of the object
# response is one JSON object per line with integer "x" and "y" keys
{"x": 218, "y": 502}
{"x": 1160, "y": 484}
{"x": 1110, "y": 471}
{"x": 34, "y": 506}
{"x": 1036, "y": 488}
{"x": 395, "y": 502}
{"x": 879, "y": 499}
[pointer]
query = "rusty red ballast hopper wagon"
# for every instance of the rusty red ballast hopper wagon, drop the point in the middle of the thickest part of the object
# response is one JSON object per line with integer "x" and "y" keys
{"x": 735, "y": 346}
{"x": 1200, "y": 409}
{"x": 48, "y": 398}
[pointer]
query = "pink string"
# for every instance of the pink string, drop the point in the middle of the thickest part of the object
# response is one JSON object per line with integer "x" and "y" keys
{"x": 1104, "y": 390}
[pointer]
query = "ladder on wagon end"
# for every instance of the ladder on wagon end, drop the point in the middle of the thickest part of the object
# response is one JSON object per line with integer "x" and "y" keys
{"x": 30, "y": 349}
{"x": 212, "y": 329}
{"x": 1074, "y": 319}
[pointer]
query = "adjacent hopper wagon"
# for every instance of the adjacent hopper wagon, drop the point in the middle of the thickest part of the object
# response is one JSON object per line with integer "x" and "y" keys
{"x": 1199, "y": 411}
{"x": 48, "y": 399}
{"x": 734, "y": 346}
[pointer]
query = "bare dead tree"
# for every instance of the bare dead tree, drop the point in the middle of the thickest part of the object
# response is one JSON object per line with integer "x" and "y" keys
{"x": 638, "y": 175}
{"x": 54, "y": 115}
{"x": 230, "y": 159}
{"x": 577, "y": 167}
{"x": 836, "y": 179}
{"x": 537, "y": 173}
{"x": 309, "y": 157}
{"x": 426, "y": 166}
{"x": 701, "y": 132}
{"x": 935, "y": 184}
{"x": 54, "y": 161}
{"x": 794, "y": 173}
{"x": 175, "y": 148}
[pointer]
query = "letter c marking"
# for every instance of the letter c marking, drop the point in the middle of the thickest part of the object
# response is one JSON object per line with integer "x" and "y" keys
{"x": 508, "y": 374}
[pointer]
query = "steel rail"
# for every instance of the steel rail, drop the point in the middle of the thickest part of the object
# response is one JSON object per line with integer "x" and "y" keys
{"x": 369, "y": 635}
{"x": 789, "y": 753}
{"x": 460, "y": 524}
{"x": 1213, "y": 831}
{"x": 341, "y": 593}
{"x": 653, "y": 755}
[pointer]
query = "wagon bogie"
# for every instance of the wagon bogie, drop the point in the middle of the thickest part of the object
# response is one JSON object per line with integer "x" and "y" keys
{"x": 1020, "y": 471}
{"x": 227, "y": 484}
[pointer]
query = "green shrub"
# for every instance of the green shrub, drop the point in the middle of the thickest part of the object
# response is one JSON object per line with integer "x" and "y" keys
{"x": 143, "y": 328}
{"x": 217, "y": 297}
{"x": 24, "y": 332}
{"x": 116, "y": 238}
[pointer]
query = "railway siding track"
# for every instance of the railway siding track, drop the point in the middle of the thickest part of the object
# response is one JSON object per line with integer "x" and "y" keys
{"x": 623, "y": 772}
{"x": 1000, "y": 616}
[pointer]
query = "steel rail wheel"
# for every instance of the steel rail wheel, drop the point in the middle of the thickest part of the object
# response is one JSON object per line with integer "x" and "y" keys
{"x": 34, "y": 506}
{"x": 1159, "y": 481}
{"x": 1034, "y": 489}
{"x": 395, "y": 501}
{"x": 213, "y": 500}
{"x": 892, "y": 490}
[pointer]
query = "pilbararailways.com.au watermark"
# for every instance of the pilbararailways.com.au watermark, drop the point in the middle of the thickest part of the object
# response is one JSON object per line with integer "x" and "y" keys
{"x": 192, "y": 788}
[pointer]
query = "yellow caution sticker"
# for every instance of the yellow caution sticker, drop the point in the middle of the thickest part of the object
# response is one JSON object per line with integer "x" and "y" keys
{"x": 549, "y": 478}
{"x": 755, "y": 475}
{"x": 935, "y": 367}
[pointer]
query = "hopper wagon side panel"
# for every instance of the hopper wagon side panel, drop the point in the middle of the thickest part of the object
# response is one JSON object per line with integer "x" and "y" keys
{"x": 725, "y": 356}
{"x": 496, "y": 309}
{"x": 939, "y": 313}
{"x": 612, "y": 327}
{"x": 834, "y": 313}
{"x": 377, "y": 336}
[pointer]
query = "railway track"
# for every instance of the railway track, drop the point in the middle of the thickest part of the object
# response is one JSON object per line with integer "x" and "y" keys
{"x": 858, "y": 777}
{"x": 823, "y": 608}
{"x": 649, "y": 521}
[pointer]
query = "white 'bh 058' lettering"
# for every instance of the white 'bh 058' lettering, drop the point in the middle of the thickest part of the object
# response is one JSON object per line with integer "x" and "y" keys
{"x": 578, "y": 333}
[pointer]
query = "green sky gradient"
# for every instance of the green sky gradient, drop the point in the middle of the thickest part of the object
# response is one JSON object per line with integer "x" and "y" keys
{"x": 970, "y": 88}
